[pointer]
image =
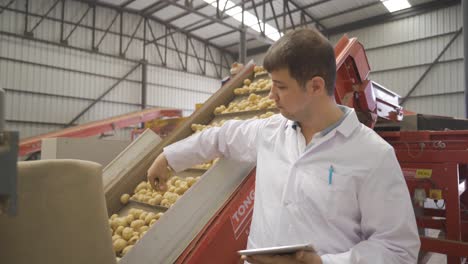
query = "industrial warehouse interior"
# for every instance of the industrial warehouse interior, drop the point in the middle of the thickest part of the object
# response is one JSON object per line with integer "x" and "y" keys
{"x": 233, "y": 131}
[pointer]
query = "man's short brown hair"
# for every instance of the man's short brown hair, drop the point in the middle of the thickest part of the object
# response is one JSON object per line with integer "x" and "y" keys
{"x": 306, "y": 53}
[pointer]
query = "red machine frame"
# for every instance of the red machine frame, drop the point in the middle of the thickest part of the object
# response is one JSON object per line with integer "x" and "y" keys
{"x": 33, "y": 144}
{"x": 443, "y": 156}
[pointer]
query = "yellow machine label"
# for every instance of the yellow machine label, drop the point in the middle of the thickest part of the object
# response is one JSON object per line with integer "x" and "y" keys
{"x": 435, "y": 194}
{"x": 423, "y": 174}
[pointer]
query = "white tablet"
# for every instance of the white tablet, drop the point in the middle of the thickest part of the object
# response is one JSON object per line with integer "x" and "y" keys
{"x": 276, "y": 250}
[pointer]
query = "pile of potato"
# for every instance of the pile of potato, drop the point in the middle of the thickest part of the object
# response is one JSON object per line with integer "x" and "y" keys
{"x": 259, "y": 70}
{"x": 199, "y": 127}
{"x": 253, "y": 102}
{"x": 250, "y": 87}
{"x": 144, "y": 193}
{"x": 127, "y": 230}
{"x": 207, "y": 165}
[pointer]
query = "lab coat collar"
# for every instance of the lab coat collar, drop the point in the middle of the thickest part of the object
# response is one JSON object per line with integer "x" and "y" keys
{"x": 346, "y": 126}
{"x": 350, "y": 123}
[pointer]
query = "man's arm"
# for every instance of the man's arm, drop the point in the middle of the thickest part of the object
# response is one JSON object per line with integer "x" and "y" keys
{"x": 387, "y": 219}
{"x": 235, "y": 139}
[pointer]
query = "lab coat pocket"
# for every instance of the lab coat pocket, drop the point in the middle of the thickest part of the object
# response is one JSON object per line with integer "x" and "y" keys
{"x": 319, "y": 195}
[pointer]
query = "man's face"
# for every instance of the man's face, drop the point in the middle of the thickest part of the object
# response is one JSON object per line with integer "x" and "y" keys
{"x": 291, "y": 99}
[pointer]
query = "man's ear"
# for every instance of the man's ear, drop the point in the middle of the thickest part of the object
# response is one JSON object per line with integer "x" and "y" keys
{"x": 316, "y": 86}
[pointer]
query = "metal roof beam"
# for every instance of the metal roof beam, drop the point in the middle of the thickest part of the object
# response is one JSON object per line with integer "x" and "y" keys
{"x": 216, "y": 20}
{"x": 125, "y": 4}
{"x": 412, "y": 11}
{"x": 154, "y": 7}
{"x": 304, "y": 11}
{"x": 159, "y": 21}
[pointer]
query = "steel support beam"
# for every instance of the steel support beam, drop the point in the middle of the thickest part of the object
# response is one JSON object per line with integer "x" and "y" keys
{"x": 163, "y": 61}
{"x": 436, "y": 60}
{"x": 43, "y": 16}
{"x": 465, "y": 50}
{"x": 178, "y": 53}
{"x": 2, "y": 110}
{"x": 320, "y": 26}
{"x": 7, "y": 5}
{"x": 212, "y": 58}
{"x": 144, "y": 83}
{"x": 95, "y": 101}
{"x": 107, "y": 31}
{"x": 196, "y": 55}
{"x": 26, "y": 18}
{"x": 133, "y": 36}
{"x": 242, "y": 47}
{"x": 77, "y": 24}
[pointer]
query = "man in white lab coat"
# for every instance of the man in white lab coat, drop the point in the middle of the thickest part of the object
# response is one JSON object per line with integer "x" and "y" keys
{"x": 322, "y": 177}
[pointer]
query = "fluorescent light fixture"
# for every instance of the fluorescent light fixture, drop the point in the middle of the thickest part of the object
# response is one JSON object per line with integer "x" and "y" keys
{"x": 250, "y": 20}
{"x": 395, "y": 5}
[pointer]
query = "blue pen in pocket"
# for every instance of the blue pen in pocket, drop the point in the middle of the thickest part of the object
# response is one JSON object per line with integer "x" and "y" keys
{"x": 330, "y": 175}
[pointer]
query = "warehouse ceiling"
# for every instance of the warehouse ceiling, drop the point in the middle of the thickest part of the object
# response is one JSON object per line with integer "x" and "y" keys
{"x": 220, "y": 21}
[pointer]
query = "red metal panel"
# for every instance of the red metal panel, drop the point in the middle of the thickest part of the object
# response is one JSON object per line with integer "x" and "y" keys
{"x": 444, "y": 246}
{"x": 227, "y": 232}
{"x": 33, "y": 144}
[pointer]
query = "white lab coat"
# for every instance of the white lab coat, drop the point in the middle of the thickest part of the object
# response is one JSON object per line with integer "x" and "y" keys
{"x": 364, "y": 215}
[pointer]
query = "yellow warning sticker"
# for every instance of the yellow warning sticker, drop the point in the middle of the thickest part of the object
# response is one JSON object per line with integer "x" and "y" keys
{"x": 435, "y": 194}
{"x": 423, "y": 174}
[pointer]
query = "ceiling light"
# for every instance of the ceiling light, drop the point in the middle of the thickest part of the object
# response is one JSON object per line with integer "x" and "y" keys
{"x": 250, "y": 20}
{"x": 396, "y": 5}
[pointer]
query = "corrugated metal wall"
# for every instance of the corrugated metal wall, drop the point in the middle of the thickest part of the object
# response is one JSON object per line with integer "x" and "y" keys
{"x": 48, "y": 85}
{"x": 400, "y": 51}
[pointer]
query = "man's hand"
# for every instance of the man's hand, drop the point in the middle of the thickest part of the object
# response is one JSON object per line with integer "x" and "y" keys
{"x": 300, "y": 257}
{"x": 158, "y": 173}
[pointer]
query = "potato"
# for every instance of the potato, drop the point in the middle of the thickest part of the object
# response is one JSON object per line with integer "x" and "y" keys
{"x": 171, "y": 197}
{"x": 127, "y": 233}
{"x": 115, "y": 237}
{"x": 126, "y": 250}
{"x": 150, "y": 217}
{"x": 152, "y": 222}
{"x": 124, "y": 198}
{"x": 247, "y": 81}
{"x": 137, "y": 213}
{"x": 191, "y": 182}
{"x": 152, "y": 201}
{"x": 133, "y": 240}
{"x": 158, "y": 215}
{"x": 119, "y": 230}
{"x": 114, "y": 216}
{"x": 158, "y": 198}
{"x": 129, "y": 218}
{"x": 118, "y": 222}
{"x": 179, "y": 191}
{"x": 143, "y": 229}
{"x": 142, "y": 234}
{"x": 137, "y": 224}
{"x": 141, "y": 186}
{"x": 146, "y": 199}
{"x": 165, "y": 202}
{"x": 119, "y": 244}
{"x": 143, "y": 216}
